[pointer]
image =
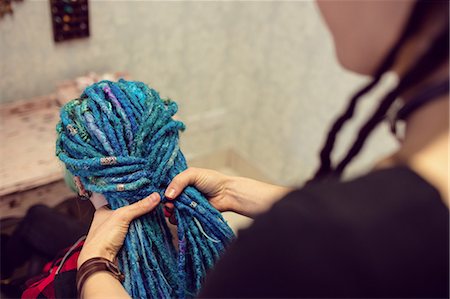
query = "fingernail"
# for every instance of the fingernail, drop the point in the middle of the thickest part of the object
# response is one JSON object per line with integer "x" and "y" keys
{"x": 173, "y": 219}
{"x": 167, "y": 213}
{"x": 170, "y": 193}
{"x": 154, "y": 197}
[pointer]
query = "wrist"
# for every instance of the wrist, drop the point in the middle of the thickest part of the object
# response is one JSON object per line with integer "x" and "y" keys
{"x": 250, "y": 197}
{"x": 232, "y": 194}
{"x": 87, "y": 254}
{"x": 243, "y": 194}
{"x": 94, "y": 280}
{"x": 92, "y": 268}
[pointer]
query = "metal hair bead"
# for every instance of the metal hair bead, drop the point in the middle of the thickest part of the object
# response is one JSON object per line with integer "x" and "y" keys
{"x": 72, "y": 129}
{"x": 120, "y": 187}
{"x": 108, "y": 160}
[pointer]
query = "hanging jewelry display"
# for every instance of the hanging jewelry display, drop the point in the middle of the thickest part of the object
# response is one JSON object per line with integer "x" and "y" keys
{"x": 70, "y": 19}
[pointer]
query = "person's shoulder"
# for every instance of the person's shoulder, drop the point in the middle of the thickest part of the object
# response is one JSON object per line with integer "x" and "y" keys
{"x": 360, "y": 238}
{"x": 389, "y": 228}
{"x": 388, "y": 196}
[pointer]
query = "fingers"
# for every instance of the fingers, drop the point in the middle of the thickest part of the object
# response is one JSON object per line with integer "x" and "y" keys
{"x": 140, "y": 208}
{"x": 173, "y": 219}
{"x": 181, "y": 181}
{"x": 169, "y": 212}
{"x": 174, "y": 189}
{"x": 168, "y": 209}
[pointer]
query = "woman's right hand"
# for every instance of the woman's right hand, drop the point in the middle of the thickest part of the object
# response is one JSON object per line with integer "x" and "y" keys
{"x": 226, "y": 193}
{"x": 210, "y": 182}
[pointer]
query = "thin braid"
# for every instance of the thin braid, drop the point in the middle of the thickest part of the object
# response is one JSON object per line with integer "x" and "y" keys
{"x": 412, "y": 25}
{"x": 427, "y": 63}
{"x": 121, "y": 141}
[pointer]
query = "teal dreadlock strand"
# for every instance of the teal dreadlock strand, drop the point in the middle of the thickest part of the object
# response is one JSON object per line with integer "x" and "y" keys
{"x": 120, "y": 139}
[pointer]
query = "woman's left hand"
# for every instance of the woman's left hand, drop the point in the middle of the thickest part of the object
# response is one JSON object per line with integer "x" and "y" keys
{"x": 109, "y": 228}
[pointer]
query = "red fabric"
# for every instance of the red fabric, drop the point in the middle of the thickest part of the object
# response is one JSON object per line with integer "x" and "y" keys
{"x": 42, "y": 286}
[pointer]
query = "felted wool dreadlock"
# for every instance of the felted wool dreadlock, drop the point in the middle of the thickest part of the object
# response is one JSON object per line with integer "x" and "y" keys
{"x": 120, "y": 139}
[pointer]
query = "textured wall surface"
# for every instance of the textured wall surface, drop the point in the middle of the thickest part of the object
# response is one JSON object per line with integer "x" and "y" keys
{"x": 289, "y": 89}
{"x": 260, "y": 77}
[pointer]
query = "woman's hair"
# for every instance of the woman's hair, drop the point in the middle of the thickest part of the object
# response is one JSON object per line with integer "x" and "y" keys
{"x": 434, "y": 56}
{"x": 119, "y": 139}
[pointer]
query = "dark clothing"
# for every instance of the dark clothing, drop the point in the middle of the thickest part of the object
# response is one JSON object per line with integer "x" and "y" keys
{"x": 385, "y": 234}
{"x": 43, "y": 231}
{"x": 58, "y": 277}
{"x": 40, "y": 236}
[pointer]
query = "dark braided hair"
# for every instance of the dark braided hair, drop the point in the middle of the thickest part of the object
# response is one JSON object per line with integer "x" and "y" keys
{"x": 435, "y": 55}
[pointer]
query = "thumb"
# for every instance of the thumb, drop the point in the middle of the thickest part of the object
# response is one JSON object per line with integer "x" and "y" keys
{"x": 141, "y": 207}
{"x": 181, "y": 181}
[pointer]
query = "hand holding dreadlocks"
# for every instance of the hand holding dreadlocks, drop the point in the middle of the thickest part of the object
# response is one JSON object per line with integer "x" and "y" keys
{"x": 109, "y": 228}
{"x": 226, "y": 193}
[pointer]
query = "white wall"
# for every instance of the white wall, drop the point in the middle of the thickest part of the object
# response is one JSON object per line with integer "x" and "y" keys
{"x": 260, "y": 77}
{"x": 289, "y": 89}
